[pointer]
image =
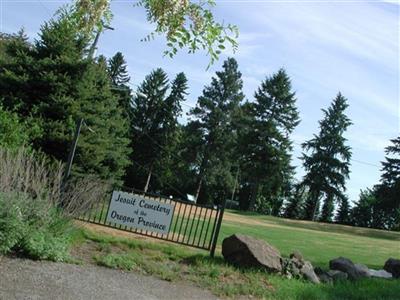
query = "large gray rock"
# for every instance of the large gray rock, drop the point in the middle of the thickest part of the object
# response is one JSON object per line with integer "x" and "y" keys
{"x": 322, "y": 275}
{"x": 346, "y": 265}
{"x": 363, "y": 270}
{"x": 337, "y": 275}
{"x": 380, "y": 274}
{"x": 308, "y": 273}
{"x": 393, "y": 266}
{"x": 246, "y": 251}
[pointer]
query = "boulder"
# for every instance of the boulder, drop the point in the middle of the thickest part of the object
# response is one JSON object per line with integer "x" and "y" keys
{"x": 308, "y": 272}
{"x": 296, "y": 267}
{"x": 346, "y": 265}
{"x": 380, "y": 274}
{"x": 393, "y": 266}
{"x": 297, "y": 255}
{"x": 245, "y": 251}
{"x": 337, "y": 275}
{"x": 362, "y": 269}
{"x": 291, "y": 268}
{"x": 325, "y": 278}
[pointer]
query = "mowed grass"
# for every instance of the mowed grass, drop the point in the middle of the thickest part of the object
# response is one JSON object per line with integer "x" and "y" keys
{"x": 318, "y": 242}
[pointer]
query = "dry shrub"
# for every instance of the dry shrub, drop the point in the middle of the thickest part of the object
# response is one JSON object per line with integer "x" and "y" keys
{"x": 30, "y": 173}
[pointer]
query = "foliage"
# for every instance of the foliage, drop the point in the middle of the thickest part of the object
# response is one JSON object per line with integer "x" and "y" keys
{"x": 30, "y": 228}
{"x": 327, "y": 166}
{"x": 388, "y": 191}
{"x": 31, "y": 193}
{"x": 264, "y": 145}
{"x": 189, "y": 24}
{"x": 343, "y": 214}
{"x": 184, "y": 23}
{"x": 379, "y": 207}
{"x": 212, "y": 119}
{"x": 295, "y": 203}
{"x": 154, "y": 121}
{"x": 52, "y": 83}
{"x": 13, "y": 132}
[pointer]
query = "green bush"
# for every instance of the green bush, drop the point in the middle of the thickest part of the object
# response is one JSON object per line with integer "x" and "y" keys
{"x": 30, "y": 228}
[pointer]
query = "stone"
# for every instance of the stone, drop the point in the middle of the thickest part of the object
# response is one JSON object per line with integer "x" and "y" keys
{"x": 363, "y": 269}
{"x": 337, "y": 275}
{"x": 290, "y": 268}
{"x": 392, "y": 266}
{"x": 325, "y": 278}
{"x": 246, "y": 251}
{"x": 323, "y": 275}
{"x": 308, "y": 272}
{"x": 380, "y": 274}
{"x": 346, "y": 265}
{"x": 297, "y": 255}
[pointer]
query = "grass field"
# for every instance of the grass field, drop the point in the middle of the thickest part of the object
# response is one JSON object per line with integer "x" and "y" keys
{"x": 318, "y": 242}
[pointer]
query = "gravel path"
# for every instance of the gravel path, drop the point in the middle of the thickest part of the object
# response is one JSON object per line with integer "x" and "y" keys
{"x": 27, "y": 279}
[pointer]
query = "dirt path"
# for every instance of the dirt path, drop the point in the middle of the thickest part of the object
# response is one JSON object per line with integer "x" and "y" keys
{"x": 27, "y": 279}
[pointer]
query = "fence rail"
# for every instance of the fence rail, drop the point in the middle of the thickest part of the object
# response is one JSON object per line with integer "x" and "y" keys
{"x": 192, "y": 224}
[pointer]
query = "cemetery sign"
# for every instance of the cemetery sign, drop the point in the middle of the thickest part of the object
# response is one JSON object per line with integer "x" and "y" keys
{"x": 134, "y": 211}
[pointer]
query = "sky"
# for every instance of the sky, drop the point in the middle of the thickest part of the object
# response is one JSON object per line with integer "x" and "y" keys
{"x": 325, "y": 46}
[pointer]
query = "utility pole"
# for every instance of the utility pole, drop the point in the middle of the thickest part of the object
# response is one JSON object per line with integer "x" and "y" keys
{"x": 234, "y": 186}
{"x": 72, "y": 151}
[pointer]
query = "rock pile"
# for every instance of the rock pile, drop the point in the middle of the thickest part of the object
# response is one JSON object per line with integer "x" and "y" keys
{"x": 393, "y": 266}
{"x": 245, "y": 251}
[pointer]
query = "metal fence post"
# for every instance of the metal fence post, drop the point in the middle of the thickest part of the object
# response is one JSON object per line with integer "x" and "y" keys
{"x": 215, "y": 237}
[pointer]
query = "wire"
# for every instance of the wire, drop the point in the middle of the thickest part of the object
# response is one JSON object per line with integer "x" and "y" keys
{"x": 354, "y": 160}
{"x": 46, "y": 8}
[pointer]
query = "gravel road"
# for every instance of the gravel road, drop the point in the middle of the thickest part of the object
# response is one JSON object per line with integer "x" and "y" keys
{"x": 27, "y": 279}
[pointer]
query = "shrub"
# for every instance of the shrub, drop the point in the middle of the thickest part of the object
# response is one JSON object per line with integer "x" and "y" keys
{"x": 32, "y": 222}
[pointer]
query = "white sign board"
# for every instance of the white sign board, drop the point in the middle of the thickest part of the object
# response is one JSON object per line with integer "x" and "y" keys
{"x": 135, "y": 211}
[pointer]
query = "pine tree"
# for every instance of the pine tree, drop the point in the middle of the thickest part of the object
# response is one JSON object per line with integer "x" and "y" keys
{"x": 54, "y": 83}
{"x": 362, "y": 214}
{"x": 343, "y": 214}
{"x": 117, "y": 70}
{"x": 327, "y": 166}
{"x": 388, "y": 191}
{"x": 266, "y": 145}
{"x": 154, "y": 121}
{"x": 294, "y": 206}
{"x": 213, "y": 116}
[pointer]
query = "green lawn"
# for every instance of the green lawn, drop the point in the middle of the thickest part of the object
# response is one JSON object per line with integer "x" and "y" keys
{"x": 318, "y": 242}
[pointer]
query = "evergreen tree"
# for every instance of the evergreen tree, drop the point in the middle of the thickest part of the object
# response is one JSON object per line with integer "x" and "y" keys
{"x": 213, "y": 117}
{"x": 154, "y": 121}
{"x": 327, "y": 166}
{"x": 343, "y": 214}
{"x": 362, "y": 214}
{"x": 265, "y": 141}
{"x": 117, "y": 70}
{"x": 52, "y": 82}
{"x": 294, "y": 206}
{"x": 388, "y": 191}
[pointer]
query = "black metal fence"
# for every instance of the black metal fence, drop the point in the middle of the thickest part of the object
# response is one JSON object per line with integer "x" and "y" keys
{"x": 192, "y": 224}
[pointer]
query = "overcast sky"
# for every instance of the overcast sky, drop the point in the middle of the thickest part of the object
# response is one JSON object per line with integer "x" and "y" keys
{"x": 325, "y": 46}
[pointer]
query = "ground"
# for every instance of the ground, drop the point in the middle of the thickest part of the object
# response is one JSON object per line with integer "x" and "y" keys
{"x": 137, "y": 255}
{"x": 27, "y": 279}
